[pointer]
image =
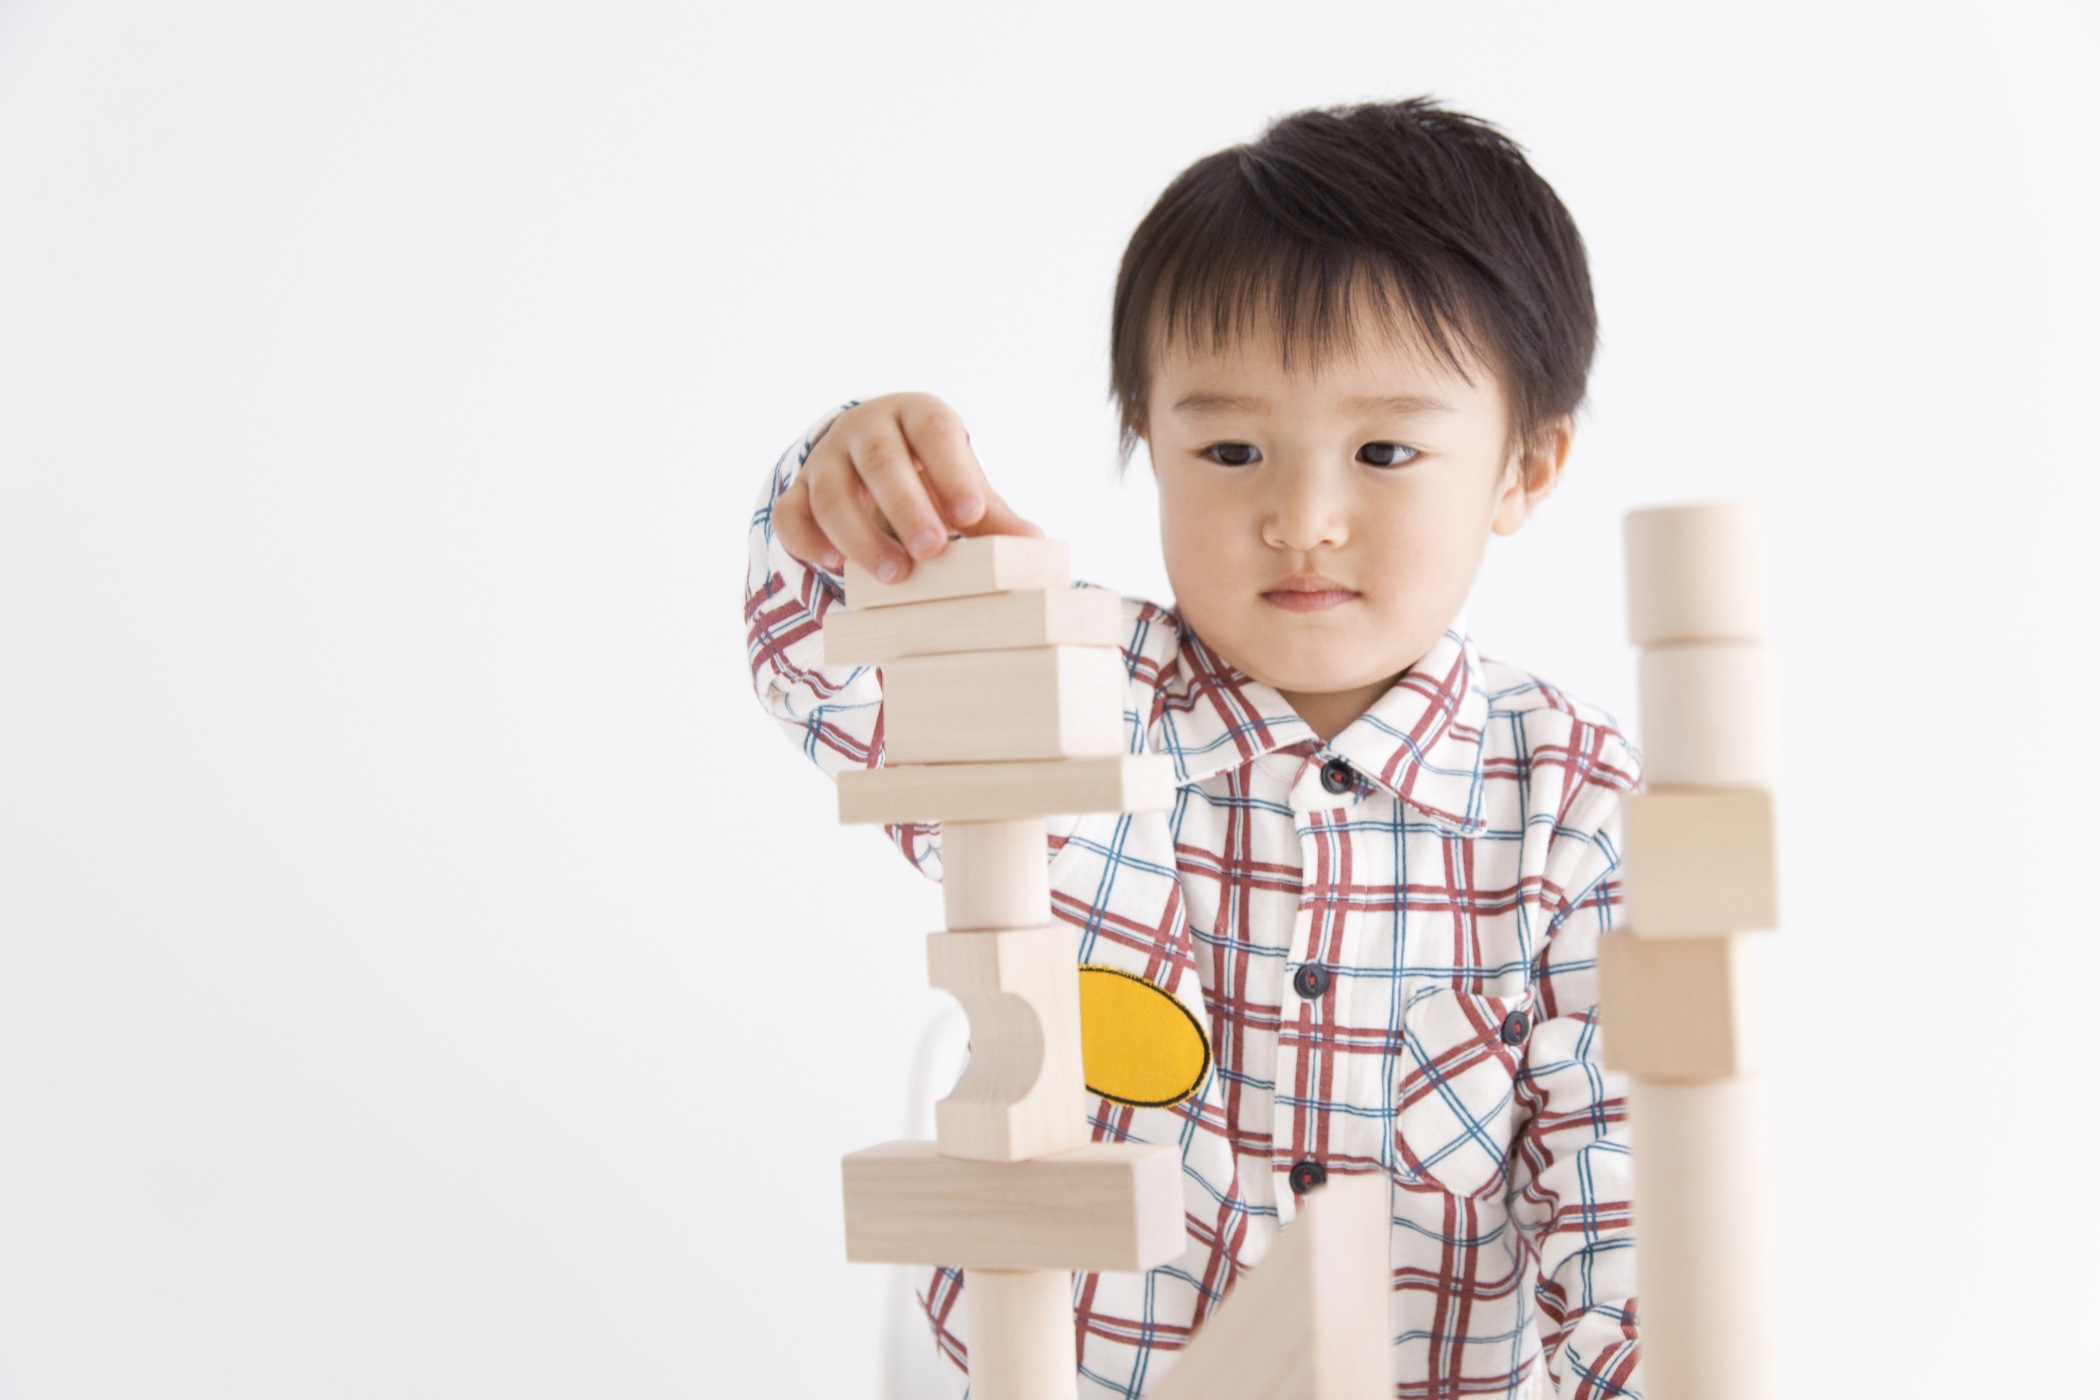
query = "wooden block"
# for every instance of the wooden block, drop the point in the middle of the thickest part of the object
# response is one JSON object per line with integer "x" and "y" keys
{"x": 980, "y": 792}
{"x": 981, "y": 564}
{"x": 992, "y": 706}
{"x": 1703, "y": 1216}
{"x": 1020, "y": 1336}
{"x": 995, "y": 874}
{"x": 1040, "y": 617}
{"x": 1709, "y": 715}
{"x": 1695, "y": 574}
{"x": 1678, "y": 1009}
{"x": 1023, "y": 1093}
{"x": 1114, "y": 1206}
{"x": 1699, "y": 861}
{"x": 1309, "y": 1322}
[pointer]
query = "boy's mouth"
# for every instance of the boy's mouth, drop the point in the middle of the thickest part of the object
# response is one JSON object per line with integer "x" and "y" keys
{"x": 1309, "y": 593}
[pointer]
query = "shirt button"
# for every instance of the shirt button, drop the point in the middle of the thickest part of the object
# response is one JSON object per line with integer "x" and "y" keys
{"x": 1515, "y": 1027}
{"x": 1311, "y": 981}
{"x": 1336, "y": 776}
{"x": 1305, "y": 1176}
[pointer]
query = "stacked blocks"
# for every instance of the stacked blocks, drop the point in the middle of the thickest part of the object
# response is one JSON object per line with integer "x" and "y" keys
{"x": 1677, "y": 998}
{"x": 1003, "y": 701}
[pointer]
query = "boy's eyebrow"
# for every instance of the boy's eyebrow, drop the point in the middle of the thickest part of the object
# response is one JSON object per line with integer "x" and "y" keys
{"x": 1197, "y": 404}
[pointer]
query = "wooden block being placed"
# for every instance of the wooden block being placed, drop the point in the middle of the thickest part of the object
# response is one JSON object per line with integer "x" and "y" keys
{"x": 981, "y": 564}
{"x": 1702, "y": 1208}
{"x": 1677, "y": 1009}
{"x": 1021, "y": 1342}
{"x": 1023, "y": 1093}
{"x": 1699, "y": 861}
{"x": 1709, "y": 715}
{"x": 990, "y": 706}
{"x": 995, "y": 874}
{"x": 1041, "y": 617}
{"x": 982, "y": 792}
{"x": 1113, "y": 1206}
{"x": 1695, "y": 574}
{"x": 1309, "y": 1321}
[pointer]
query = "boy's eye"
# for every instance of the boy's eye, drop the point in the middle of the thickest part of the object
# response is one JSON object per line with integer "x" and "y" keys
{"x": 1233, "y": 454}
{"x": 1388, "y": 451}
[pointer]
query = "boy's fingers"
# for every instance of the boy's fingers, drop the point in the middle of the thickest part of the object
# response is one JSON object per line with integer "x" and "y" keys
{"x": 892, "y": 478}
{"x": 798, "y": 533}
{"x": 999, "y": 519}
{"x": 847, "y": 517}
{"x": 936, "y": 437}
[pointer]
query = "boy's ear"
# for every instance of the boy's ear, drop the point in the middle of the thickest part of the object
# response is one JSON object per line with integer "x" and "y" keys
{"x": 1531, "y": 475}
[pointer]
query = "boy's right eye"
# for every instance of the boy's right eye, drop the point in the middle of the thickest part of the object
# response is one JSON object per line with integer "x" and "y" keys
{"x": 1232, "y": 451}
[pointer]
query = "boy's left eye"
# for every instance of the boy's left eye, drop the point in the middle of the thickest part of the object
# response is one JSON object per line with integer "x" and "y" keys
{"x": 1390, "y": 451}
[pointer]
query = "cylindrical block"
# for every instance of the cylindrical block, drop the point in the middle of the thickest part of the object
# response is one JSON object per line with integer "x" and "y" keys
{"x": 995, "y": 874}
{"x": 1709, "y": 715}
{"x": 1703, "y": 1227}
{"x": 1020, "y": 1335}
{"x": 1695, "y": 574}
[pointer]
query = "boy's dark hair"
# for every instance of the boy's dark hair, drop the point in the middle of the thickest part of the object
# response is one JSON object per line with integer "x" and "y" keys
{"x": 1428, "y": 208}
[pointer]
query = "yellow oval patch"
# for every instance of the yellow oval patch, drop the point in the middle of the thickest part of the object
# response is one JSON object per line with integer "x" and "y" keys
{"x": 1140, "y": 1045}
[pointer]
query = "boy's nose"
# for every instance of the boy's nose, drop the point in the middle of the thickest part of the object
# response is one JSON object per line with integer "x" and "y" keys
{"x": 1305, "y": 515}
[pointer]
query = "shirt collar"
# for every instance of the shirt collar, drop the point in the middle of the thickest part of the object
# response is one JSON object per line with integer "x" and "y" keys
{"x": 1420, "y": 741}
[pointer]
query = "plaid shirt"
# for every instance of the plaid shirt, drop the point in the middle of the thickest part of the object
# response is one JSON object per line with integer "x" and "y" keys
{"x": 1453, "y": 890}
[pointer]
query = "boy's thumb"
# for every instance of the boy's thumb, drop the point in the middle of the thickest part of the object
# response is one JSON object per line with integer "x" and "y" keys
{"x": 999, "y": 519}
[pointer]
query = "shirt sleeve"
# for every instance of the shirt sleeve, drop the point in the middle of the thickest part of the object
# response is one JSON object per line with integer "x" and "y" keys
{"x": 1571, "y": 1173}
{"x": 832, "y": 713}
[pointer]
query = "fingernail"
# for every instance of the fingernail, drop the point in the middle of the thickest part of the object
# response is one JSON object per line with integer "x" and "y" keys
{"x": 925, "y": 540}
{"x": 887, "y": 571}
{"x": 833, "y": 560}
{"x": 967, "y": 508}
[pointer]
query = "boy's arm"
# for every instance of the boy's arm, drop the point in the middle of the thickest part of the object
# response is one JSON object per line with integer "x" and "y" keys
{"x": 833, "y": 714}
{"x": 1571, "y": 1173}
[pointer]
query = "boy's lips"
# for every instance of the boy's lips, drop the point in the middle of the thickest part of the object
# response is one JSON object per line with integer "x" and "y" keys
{"x": 1309, "y": 593}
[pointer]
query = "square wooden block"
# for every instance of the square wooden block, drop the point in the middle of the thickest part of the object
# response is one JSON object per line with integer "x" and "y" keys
{"x": 981, "y": 564}
{"x": 1677, "y": 1009}
{"x": 1699, "y": 861}
{"x": 1038, "y": 617}
{"x": 1110, "y": 1205}
{"x": 985, "y": 706}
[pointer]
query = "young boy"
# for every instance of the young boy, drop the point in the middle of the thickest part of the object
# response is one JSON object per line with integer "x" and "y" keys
{"x": 1353, "y": 349}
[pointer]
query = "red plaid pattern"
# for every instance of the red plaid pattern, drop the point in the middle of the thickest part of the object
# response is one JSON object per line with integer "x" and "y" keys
{"x": 1453, "y": 892}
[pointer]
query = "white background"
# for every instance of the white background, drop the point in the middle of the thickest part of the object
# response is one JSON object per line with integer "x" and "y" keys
{"x": 425, "y": 972}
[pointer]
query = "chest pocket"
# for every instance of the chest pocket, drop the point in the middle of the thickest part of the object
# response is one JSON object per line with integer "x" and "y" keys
{"x": 1455, "y": 1087}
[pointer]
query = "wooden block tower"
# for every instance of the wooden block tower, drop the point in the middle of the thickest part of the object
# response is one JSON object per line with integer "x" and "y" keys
{"x": 1003, "y": 695}
{"x": 1003, "y": 704}
{"x": 1678, "y": 999}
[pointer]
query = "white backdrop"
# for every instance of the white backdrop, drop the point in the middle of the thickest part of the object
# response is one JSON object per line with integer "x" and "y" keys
{"x": 424, "y": 972}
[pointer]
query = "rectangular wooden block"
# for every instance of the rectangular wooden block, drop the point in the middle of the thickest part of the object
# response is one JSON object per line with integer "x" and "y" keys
{"x": 1036, "y": 617}
{"x": 982, "y": 564}
{"x": 1023, "y": 1093}
{"x": 1695, "y": 574}
{"x": 1309, "y": 1322}
{"x": 1703, "y": 1212}
{"x": 1112, "y": 1206}
{"x": 979, "y": 792}
{"x": 990, "y": 706}
{"x": 1699, "y": 861}
{"x": 1677, "y": 1009}
{"x": 1709, "y": 715}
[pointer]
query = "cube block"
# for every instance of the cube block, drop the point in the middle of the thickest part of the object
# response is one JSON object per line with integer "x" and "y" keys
{"x": 1677, "y": 1009}
{"x": 1699, "y": 861}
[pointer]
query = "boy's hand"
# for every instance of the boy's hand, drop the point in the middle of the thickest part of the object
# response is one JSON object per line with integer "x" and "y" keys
{"x": 899, "y": 467}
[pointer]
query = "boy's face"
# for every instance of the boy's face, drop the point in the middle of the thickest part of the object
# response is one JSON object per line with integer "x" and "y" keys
{"x": 1319, "y": 540}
